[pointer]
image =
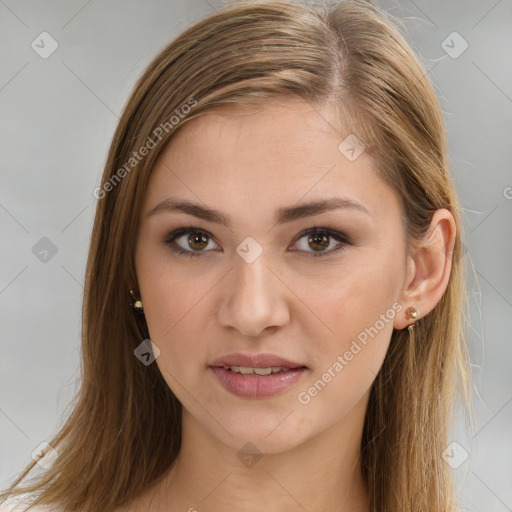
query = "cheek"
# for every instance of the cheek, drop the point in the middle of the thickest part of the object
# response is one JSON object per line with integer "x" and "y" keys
{"x": 170, "y": 290}
{"x": 347, "y": 362}
{"x": 354, "y": 297}
{"x": 358, "y": 306}
{"x": 171, "y": 307}
{"x": 174, "y": 303}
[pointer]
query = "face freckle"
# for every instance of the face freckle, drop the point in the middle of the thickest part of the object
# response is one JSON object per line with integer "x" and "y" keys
{"x": 250, "y": 166}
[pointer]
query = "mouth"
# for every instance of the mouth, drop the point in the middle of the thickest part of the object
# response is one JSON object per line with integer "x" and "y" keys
{"x": 256, "y": 375}
{"x": 255, "y": 363}
{"x": 249, "y": 370}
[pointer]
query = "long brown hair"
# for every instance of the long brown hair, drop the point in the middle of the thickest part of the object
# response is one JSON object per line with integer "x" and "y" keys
{"x": 124, "y": 430}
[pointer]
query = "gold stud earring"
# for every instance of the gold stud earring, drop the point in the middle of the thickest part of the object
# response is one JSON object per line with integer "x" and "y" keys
{"x": 137, "y": 303}
{"x": 411, "y": 313}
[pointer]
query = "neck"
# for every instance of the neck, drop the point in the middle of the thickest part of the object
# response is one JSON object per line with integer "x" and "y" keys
{"x": 320, "y": 474}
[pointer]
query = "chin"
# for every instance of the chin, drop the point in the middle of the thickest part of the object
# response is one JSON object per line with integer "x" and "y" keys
{"x": 260, "y": 442}
{"x": 270, "y": 434}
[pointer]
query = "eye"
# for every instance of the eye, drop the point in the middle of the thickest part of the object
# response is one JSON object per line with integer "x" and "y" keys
{"x": 320, "y": 239}
{"x": 198, "y": 240}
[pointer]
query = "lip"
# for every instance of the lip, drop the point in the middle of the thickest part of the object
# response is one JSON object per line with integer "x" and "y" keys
{"x": 262, "y": 360}
{"x": 256, "y": 386}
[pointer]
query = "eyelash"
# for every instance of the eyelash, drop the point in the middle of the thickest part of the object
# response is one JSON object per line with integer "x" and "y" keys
{"x": 336, "y": 235}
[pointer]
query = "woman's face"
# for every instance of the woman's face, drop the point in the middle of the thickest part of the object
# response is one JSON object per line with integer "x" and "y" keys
{"x": 257, "y": 285}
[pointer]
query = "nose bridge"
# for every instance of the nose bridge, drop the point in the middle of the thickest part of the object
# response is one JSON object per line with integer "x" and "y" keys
{"x": 254, "y": 298}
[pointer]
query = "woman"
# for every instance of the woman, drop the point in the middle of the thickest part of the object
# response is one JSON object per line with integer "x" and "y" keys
{"x": 273, "y": 309}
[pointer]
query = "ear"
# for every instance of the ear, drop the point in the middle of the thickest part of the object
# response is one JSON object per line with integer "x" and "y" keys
{"x": 428, "y": 268}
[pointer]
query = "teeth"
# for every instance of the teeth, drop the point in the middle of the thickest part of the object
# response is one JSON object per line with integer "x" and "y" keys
{"x": 258, "y": 371}
{"x": 262, "y": 371}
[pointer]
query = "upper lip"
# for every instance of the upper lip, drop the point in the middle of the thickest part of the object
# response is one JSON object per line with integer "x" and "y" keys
{"x": 255, "y": 361}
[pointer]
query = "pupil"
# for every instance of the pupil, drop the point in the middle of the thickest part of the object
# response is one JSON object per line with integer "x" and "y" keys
{"x": 198, "y": 238}
{"x": 319, "y": 240}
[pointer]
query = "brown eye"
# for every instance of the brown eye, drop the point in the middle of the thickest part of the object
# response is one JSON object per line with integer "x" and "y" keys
{"x": 320, "y": 239}
{"x": 194, "y": 244}
{"x": 318, "y": 242}
{"x": 197, "y": 241}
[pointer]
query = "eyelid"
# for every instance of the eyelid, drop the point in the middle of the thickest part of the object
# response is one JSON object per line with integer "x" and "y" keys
{"x": 342, "y": 239}
{"x": 184, "y": 230}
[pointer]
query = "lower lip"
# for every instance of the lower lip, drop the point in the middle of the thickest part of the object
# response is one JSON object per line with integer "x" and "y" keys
{"x": 257, "y": 386}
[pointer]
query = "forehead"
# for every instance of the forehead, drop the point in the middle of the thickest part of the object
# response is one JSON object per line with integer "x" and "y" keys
{"x": 249, "y": 156}
{"x": 277, "y": 127}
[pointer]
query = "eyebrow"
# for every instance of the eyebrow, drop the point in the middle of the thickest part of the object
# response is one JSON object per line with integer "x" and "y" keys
{"x": 284, "y": 215}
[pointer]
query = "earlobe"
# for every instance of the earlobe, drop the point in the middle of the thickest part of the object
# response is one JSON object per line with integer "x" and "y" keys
{"x": 430, "y": 269}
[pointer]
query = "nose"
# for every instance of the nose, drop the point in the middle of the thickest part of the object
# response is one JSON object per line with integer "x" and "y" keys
{"x": 254, "y": 299}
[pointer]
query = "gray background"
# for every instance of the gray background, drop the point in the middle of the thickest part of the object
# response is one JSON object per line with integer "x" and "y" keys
{"x": 58, "y": 117}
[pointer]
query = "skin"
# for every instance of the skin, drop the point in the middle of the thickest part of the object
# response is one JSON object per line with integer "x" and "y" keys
{"x": 248, "y": 163}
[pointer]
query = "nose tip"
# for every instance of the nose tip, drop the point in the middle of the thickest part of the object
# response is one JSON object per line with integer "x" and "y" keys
{"x": 270, "y": 329}
{"x": 253, "y": 300}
